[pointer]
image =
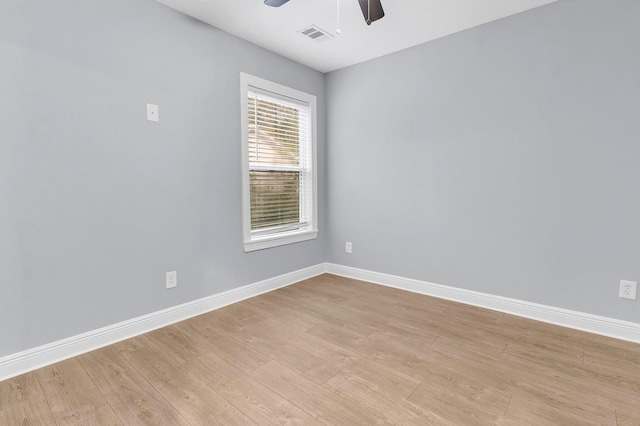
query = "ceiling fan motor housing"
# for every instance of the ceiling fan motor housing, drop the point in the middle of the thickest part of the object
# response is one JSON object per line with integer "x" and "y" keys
{"x": 275, "y": 3}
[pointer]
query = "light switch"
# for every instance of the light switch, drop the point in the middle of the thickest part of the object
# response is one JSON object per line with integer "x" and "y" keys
{"x": 152, "y": 112}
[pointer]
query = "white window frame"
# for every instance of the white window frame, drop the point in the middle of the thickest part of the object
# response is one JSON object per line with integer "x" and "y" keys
{"x": 262, "y": 240}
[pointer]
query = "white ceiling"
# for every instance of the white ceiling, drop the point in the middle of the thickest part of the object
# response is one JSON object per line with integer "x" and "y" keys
{"x": 406, "y": 23}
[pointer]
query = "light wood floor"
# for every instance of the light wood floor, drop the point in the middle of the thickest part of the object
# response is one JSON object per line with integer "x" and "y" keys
{"x": 336, "y": 351}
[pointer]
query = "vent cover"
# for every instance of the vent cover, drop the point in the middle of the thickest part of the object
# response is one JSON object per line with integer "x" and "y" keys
{"x": 314, "y": 33}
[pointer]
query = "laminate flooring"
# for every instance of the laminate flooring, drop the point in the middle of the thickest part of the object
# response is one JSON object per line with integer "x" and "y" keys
{"x": 337, "y": 351}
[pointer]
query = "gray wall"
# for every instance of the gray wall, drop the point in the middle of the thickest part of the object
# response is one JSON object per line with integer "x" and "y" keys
{"x": 96, "y": 203}
{"x": 504, "y": 159}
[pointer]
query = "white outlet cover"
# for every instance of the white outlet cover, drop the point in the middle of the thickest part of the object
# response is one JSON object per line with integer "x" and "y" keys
{"x": 172, "y": 279}
{"x": 628, "y": 289}
{"x": 348, "y": 247}
{"x": 152, "y": 113}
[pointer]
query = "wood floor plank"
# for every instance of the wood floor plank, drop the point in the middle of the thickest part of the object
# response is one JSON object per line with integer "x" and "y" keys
{"x": 181, "y": 347}
{"x": 543, "y": 382}
{"x": 224, "y": 345}
{"x": 128, "y": 393}
{"x": 560, "y": 354}
{"x": 463, "y": 392}
{"x": 289, "y": 315}
{"x": 385, "y": 308}
{"x": 418, "y": 343}
{"x": 340, "y": 335}
{"x": 275, "y": 347}
{"x": 234, "y": 317}
{"x": 387, "y": 406}
{"x": 540, "y": 409}
{"x": 327, "y": 311}
{"x": 472, "y": 314}
{"x": 19, "y": 389}
{"x": 343, "y": 359}
{"x": 456, "y": 328}
{"x": 324, "y": 405}
{"x": 394, "y": 352}
{"x": 254, "y": 399}
{"x": 408, "y": 330}
{"x": 196, "y": 402}
{"x": 384, "y": 349}
{"x": 489, "y": 369}
{"x": 412, "y": 319}
{"x": 629, "y": 416}
{"x": 22, "y": 402}
{"x": 525, "y": 329}
{"x": 73, "y": 397}
{"x": 614, "y": 357}
{"x": 33, "y": 411}
{"x": 289, "y": 335}
{"x": 459, "y": 401}
{"x": 469, "y": 345}
{"x": 613, "y": 388}
{"x": 329, "y": 290}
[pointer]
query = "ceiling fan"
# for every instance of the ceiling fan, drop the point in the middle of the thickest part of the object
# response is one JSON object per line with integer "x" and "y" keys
{"x": 371, "y": 9}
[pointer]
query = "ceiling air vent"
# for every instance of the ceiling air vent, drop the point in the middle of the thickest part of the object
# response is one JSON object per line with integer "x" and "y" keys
{"x": 315, "y": 33}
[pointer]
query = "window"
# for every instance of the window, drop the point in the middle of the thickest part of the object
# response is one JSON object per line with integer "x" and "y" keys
{"x": 279, "y": 177}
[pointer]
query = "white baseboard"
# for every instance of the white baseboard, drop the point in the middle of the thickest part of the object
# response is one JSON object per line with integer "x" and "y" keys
{"x": 32, "y": 359}
{"x": 618, "y": 329}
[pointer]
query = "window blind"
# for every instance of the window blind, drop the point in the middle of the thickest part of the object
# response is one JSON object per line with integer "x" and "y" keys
{"x": 279, "y": 163}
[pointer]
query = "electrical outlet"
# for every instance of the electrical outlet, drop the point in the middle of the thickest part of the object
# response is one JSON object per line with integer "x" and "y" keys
{"x": 628, "y": 289}
{"x": 348, "y": 247}
{"x": 172, "y": 279}
{"x": 152, "y": 113}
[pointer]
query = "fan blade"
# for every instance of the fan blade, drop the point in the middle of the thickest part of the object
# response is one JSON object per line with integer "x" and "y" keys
{"x": 275, "y": 3}
{"x": 372, "y": 10}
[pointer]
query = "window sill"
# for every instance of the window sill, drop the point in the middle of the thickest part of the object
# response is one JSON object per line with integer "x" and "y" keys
{"x": 269, "y": 241}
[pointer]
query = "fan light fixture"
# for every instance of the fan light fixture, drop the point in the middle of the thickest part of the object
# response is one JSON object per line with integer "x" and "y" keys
{"x": 371, "y": 9}
{"x": 275, "y": 3}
